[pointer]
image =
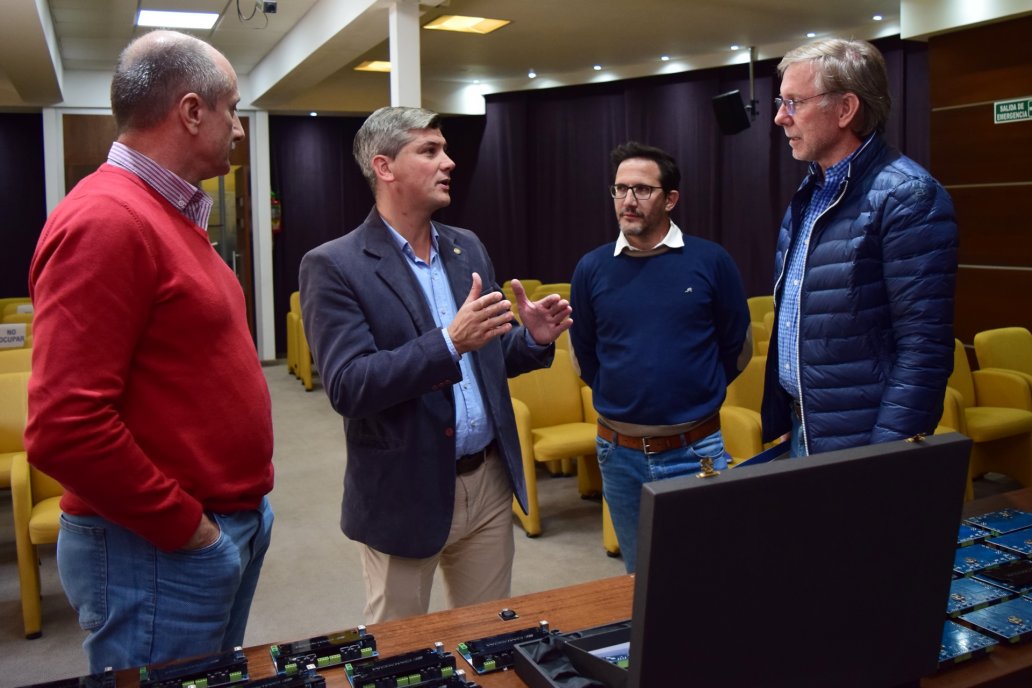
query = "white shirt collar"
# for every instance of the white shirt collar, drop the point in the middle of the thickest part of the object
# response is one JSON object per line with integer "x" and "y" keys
{"x": 673, "y": 239}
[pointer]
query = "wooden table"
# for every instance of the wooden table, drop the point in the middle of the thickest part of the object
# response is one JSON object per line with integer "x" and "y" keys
{"x": 566, "y": 609}
{"x": 607, "y": 601}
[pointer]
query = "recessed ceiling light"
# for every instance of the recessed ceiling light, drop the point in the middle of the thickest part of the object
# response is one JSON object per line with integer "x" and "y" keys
{"x": 476, "y": 81}
{"x": 597, "y": 68}
{"x": 811, "y": 34}
{"x": 532, "y": 74}
{"x": 735, "y": 46}
{"x": 454, "y": 22}
{"x": 313, "y": 114}
{"x": 877, "y": 17}
{"x": 374, "y": 66}
{"x": 664, "y": 58}
{"x": 177, "y": 20}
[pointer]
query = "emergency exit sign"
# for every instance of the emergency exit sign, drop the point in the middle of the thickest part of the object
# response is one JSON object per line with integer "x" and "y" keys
{"x": 1017, "y": 110}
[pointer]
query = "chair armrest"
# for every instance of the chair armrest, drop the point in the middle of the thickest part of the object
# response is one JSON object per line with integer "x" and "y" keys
{"x": 524, "y": 431}
{"x": 999, "y": 387}
{"x": 590, "y": 414}
{"x": 953, "y": 411}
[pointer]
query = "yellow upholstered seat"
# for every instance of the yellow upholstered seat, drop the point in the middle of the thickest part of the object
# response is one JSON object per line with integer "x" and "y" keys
{"x": 36, "y": 501}
{"x": 994, "y": 408}
{"x": 15, "y": 360}
{"x": 13, "y": 412}
{"x": 555, "y": 420}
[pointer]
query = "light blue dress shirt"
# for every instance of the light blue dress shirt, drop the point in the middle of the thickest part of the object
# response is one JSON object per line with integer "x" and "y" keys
{"x": 473, "y": 430}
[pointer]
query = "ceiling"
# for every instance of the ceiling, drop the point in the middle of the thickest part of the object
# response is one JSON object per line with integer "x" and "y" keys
{"x": 300, "y": 59}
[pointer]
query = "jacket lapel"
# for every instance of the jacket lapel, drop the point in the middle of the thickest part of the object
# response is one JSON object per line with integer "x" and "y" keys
{"x": 395, "y": 273}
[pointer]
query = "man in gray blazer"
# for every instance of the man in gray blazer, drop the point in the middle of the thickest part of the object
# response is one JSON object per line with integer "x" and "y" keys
{"x": 414, "y": 342}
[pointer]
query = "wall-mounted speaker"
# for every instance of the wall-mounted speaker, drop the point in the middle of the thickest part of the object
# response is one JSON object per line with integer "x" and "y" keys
{"x": 731, "y": 113}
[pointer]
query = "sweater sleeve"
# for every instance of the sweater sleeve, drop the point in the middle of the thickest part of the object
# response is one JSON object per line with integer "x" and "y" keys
{"x": 583, "y": 333}
{"x": 93, "y": 282}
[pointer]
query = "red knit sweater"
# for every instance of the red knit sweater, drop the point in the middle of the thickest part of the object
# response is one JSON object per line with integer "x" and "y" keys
{"x": 146, "y": 399}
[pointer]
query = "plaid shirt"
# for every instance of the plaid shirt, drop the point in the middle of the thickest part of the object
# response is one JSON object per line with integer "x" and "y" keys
{"x": 827, "y": 193}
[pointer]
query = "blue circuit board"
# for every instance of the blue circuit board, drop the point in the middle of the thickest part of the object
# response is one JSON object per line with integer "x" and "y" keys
{"x": 968, "y": 560}
{"x": 960, "y": 643}
{"x": 1002, "y": 521}
{"x": 969, "y": 535}
{"x": 1019, "y": 542}
{"x": 1010, "y": 621}
{"x": 969, "y": 594}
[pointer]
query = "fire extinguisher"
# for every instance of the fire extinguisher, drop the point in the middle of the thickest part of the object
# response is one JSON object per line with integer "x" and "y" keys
{"x": 277, "y": 214}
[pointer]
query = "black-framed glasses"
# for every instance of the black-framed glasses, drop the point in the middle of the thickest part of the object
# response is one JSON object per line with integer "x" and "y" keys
{"x": 641, "y": 191}
{"x": 791, "y": 103}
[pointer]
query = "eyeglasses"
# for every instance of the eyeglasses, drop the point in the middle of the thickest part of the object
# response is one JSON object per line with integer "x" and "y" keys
{"x": 791, "y": 103}
{"x": 640, "y": 191}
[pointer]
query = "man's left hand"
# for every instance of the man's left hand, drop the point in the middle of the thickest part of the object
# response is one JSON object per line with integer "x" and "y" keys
{"x": 545, "y": 318}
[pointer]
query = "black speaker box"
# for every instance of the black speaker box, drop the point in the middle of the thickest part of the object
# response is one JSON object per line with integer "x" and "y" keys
{"x": 730, "y": 112}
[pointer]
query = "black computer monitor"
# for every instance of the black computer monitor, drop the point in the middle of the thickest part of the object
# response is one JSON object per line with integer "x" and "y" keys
{"x": 832, "y": 570}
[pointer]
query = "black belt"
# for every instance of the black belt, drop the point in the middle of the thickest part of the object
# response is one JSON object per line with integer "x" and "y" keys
{"x": 797, "y": 409}
{"x": 471, "y": 462}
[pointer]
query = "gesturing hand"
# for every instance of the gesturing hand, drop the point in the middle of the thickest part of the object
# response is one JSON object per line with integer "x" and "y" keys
{"x": 545, "y": 318}
{"x": 480, "y": 319}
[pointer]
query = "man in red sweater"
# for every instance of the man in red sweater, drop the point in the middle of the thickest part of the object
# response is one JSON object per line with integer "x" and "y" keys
{"x": 164, "y": 450}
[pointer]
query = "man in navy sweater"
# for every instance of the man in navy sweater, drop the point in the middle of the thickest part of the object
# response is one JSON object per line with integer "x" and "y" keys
{"x": 662, "y": 328}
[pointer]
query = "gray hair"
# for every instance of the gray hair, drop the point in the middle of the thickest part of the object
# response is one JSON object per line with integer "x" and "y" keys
{"x": 848, "y": 66}
{"x": 159, "y": 68}
{"x": 386, "y": 132}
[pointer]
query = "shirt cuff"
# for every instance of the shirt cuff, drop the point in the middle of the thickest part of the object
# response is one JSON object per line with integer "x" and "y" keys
{"x": 534, "y": 346}
{"x": 451, "y": 347}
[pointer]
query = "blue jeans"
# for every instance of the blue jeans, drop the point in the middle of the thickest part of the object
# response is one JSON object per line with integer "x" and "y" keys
{"x": 141, "y": 605}
{"x": 625, "y": 470}
{"x": 798, "y": 447}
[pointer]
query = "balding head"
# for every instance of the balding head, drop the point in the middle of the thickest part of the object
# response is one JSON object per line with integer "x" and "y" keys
{"x": 159, "y": 68}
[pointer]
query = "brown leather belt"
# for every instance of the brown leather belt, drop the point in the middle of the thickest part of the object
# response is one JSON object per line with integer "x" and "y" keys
{"x": 471, "y": 462}
{"x": 656, "y": 445}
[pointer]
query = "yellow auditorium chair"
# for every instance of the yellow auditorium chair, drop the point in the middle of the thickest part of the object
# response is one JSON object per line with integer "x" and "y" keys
{"x": 15, "y": 360}
{"x": 543, "y": 290}
{"x": 746, "y": 390}
{"x": 994, "y": 408}
{"x": 11, "y": 318}
{"x": 13, "y": 412}
{"x": 1009, "y": 348}
{"x": 555, "y": 420}
{"x": 304, "y": 357}
{"x": 759, "y": 306}
{"x": 35, "y": 498}
{"x": 293, "y": 317}
{"x": 529, "y": 285}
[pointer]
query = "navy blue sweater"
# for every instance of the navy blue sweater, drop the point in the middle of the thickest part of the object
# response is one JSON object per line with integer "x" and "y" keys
{"x": 658, "y": 338}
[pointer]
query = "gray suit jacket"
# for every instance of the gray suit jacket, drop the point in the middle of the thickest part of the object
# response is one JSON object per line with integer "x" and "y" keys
{"x": 386, "y": 368}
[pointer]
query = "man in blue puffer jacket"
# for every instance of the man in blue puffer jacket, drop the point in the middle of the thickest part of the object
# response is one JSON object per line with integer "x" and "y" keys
{"x": 865, "y": 266}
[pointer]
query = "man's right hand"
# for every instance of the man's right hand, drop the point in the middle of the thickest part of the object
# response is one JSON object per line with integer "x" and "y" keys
{"x": 207, "y": 533}
{"x": 481, "y": 319}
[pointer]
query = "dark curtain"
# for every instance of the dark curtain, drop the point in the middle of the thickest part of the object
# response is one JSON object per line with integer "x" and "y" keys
{"x": 532, "y": 173}
{"x": 23, "y": 204}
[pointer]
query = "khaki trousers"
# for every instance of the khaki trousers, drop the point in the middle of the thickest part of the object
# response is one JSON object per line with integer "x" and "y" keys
{"x": 476, "y": 561}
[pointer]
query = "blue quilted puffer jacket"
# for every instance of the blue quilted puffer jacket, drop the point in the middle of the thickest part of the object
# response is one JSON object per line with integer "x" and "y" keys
{"x": 876, "y": 332}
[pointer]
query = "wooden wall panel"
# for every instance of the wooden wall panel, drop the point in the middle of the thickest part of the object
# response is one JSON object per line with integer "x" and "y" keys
{"x": 87, "y": 139}
{"x": 988, "y": 299}
{"x": 981, "y": 64}
{"x": 976, "y": 151}
{"x": 987, "y": 168}
{"x": 994, "y": 224}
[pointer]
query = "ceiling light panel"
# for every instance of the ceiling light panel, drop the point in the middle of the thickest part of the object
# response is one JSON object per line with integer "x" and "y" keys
{"x": 177, "y": 20}
{"x": 454, "y": 22}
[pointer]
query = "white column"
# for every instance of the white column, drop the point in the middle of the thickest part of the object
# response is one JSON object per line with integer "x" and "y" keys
{"x": 53, "y": 158}
{"x": 404, "y": 46}
{"x": 261, "y": 235}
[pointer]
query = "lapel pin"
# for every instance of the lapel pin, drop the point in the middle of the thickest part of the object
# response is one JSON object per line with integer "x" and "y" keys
{"x": 457, "y": 250}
